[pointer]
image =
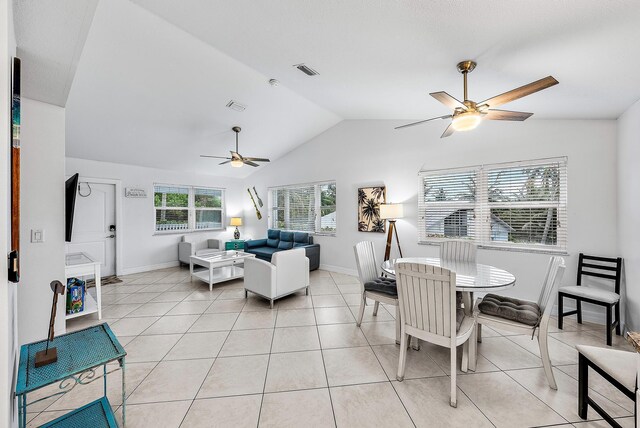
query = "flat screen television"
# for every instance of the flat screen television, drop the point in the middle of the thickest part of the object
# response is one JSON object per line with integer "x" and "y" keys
{"x": 71, "y": 189}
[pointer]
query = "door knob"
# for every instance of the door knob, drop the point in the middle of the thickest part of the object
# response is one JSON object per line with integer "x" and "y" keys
{"x": 111, "y": 236}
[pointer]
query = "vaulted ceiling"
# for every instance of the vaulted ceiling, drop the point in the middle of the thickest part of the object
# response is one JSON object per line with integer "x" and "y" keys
{"x": 151, "y": 85}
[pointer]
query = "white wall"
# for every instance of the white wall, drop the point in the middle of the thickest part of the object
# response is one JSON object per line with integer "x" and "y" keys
{"x": 629, "y": 209}
{"x": 141, "y": 249}
{"x": 42, "y": 207}
{"x": 360, "y": 153}
{"x": 8, "y": 322}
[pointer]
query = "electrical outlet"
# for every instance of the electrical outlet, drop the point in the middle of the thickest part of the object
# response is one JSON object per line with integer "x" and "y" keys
{"x": 37, "y": 236}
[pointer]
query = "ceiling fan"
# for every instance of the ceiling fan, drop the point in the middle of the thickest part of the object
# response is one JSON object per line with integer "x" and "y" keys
{"x": 468, "y": 114}
{"x": 236, "y": 160}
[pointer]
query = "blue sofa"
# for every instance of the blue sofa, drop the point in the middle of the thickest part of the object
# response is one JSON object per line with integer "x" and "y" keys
{"x": 280, "y": 240}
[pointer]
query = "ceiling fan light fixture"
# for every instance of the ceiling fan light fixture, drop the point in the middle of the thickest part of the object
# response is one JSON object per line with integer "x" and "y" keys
{"x": 237, "y": 163}
{"x": 466, "y": 121}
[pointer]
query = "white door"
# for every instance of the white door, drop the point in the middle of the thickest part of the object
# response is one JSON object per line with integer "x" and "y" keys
{"x": 94, "y": 225}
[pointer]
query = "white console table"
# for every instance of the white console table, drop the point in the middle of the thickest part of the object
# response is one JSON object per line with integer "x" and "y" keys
{"x": 80, "y": 264}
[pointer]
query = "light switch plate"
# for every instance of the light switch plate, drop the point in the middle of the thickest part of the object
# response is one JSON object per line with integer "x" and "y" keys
{"x": 37, "y": 236}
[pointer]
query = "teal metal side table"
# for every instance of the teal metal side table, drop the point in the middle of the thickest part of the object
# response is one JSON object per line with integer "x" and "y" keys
{"x": 234, "y": 244}
{"x": 80, "y": 354}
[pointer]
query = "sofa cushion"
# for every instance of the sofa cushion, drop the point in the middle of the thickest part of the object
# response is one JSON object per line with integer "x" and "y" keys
{"x": 273, "y": 234}
{"x": 273, "y": 243}
{"x": 511, "y": 309}
{"x": 382, "y": 285}
{"x": 300, "y": 238}
{"x": 298, "y": 245}
{"x": 285, "y": 245}
{"x": 264, "y": 252}
{"x": 286, "y": 236}
{"x": 254, "y": 243}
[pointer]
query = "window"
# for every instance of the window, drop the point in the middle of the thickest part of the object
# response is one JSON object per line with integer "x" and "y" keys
{"x": 306, "y": 208}
{"x": 186, "y": 208}
{"x": 520, "y": 205}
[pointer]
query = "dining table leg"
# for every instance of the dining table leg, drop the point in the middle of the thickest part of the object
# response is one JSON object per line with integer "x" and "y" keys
{"x": 467, "y": 300}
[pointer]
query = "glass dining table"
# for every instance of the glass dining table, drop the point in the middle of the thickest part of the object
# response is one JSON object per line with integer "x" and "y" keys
{"x": 470, "y": 277}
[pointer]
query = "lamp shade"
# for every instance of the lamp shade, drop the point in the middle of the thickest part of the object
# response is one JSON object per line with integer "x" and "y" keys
{"x": 391, "y": 211}
{"x": 236, "y": 221}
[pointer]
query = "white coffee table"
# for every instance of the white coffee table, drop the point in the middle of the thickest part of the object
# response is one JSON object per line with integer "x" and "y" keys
{"x": 222, "y": 266}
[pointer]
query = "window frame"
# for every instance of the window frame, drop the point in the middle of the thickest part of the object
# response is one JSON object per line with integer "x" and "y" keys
{"x": 191, "y": 209}
{"x": 272, "y": 208}
{"x": 482, "y": 207}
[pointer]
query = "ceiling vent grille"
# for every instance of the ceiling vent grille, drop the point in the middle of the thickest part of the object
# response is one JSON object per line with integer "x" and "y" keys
{"x": 306, "y": 70}
{"x": 234, "y": 105}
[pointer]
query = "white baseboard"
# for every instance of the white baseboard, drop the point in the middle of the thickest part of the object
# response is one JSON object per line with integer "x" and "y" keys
{"x": 339, "y": 269}
{"x": 147, "y": 268}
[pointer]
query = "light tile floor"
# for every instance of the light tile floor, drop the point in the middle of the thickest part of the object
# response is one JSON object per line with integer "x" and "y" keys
{"x": 201, "y": 359}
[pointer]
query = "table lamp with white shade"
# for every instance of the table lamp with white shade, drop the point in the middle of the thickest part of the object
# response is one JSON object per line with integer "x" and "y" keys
{"x": 236, "y": 221}
{"x": 391, "y": 212}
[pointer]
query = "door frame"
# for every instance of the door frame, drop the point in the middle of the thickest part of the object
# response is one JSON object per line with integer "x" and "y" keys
{"x": 118, "y": 207}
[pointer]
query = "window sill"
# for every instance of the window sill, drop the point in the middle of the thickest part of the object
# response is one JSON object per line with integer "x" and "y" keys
{"x": 185, "y": 231}
{"x": 553, "y": 251}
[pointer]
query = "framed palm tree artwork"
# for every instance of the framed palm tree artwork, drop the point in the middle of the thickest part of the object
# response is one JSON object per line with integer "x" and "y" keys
{"x": 369, "y": 200}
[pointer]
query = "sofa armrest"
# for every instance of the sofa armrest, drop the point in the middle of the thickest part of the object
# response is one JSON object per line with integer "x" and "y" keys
{"x": 214, "y": 244}
{"x": 260, "y": 277}
{"x": 313, "y": 254}
{"x": 185, "y": 251}
{"x": 255, "y": 243}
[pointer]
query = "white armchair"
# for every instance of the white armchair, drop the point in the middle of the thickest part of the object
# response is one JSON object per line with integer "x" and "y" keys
{"x": 197, "y": 244}
{"x": 287, "y": 273}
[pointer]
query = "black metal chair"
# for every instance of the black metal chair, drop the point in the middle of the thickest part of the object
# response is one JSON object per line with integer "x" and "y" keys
{"x": 602, "y": 268}
{"x": 619, "y": 368}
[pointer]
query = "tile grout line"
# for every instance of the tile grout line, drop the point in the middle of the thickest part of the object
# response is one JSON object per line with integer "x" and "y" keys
{"x": 266, "y": 374}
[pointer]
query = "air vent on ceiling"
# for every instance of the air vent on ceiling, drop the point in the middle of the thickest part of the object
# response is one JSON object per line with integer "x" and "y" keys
{"x": 234, "y": 105}
{"x": 306, "y": 70}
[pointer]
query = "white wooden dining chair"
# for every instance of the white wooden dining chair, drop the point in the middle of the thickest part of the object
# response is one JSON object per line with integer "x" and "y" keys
{"x": 368, "y": 273}
{"x": 458, "y": 251}
{"x": 427, "y": 301}
{"x": 555, "y": 272}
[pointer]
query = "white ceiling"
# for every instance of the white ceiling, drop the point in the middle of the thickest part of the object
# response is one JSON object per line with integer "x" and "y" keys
{"x": 148, "y": 93}
{"x": 50, "y": 36}
{"x": 154, "y": 76}
{"x": 380, "y": 59}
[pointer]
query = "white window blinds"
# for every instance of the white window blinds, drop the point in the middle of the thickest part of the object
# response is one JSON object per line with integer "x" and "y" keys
{"x": 306, "y": 208}
{"x": 519, "y": 205}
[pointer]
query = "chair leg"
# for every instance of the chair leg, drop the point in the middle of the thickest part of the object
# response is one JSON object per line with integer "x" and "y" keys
{"x": 543, "y": 343}
{"x": 306, "y": 291}
{"x": 246, "y": 293}
{"x": 560, "y": 310}
{"x": 398, "y": 329}
{"x": 363, "y": 303}
{"x": 609, "y": 326}
{"x": 403, "y": 356}
{"x": 579, "y": 309}
{"x": 618, "y": 327}
{"x": 375, "y": 308}
{"x": 271, "y": 303}
{"x": 464, "y": 367}
{"x": 415, "y": 343}
{"x": 454, "y": 374}
{"x": 583, "y": 386}
{"x": 473, "y": 348}
{"x": 479, "y": 333}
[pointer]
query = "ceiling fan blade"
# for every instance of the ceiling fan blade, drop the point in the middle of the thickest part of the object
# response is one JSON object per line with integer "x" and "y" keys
{"x": 246, "y": 162}
{"x": 520, "y": 92}
{"x": 235, "y": 155}
{"x": 448, "y": 100}
{"x": 448, "y": 131}
{"x": 222, "y": 163}
{"x": 215, "y": 157}
{"x": 507, "y": 115}
{"x": 257, "y": 159}
{"x": 423, "y": 121}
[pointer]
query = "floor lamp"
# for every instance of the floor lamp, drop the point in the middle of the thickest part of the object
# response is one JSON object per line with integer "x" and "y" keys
{"x": 391, "y": 212}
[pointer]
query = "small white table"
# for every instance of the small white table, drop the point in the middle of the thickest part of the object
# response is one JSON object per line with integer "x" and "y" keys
{"x": 223, "y": 266}
{"x": 80, "y": 264}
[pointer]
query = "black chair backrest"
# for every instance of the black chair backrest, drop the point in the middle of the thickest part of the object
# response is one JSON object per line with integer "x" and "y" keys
{"x": 606, "y": 267}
